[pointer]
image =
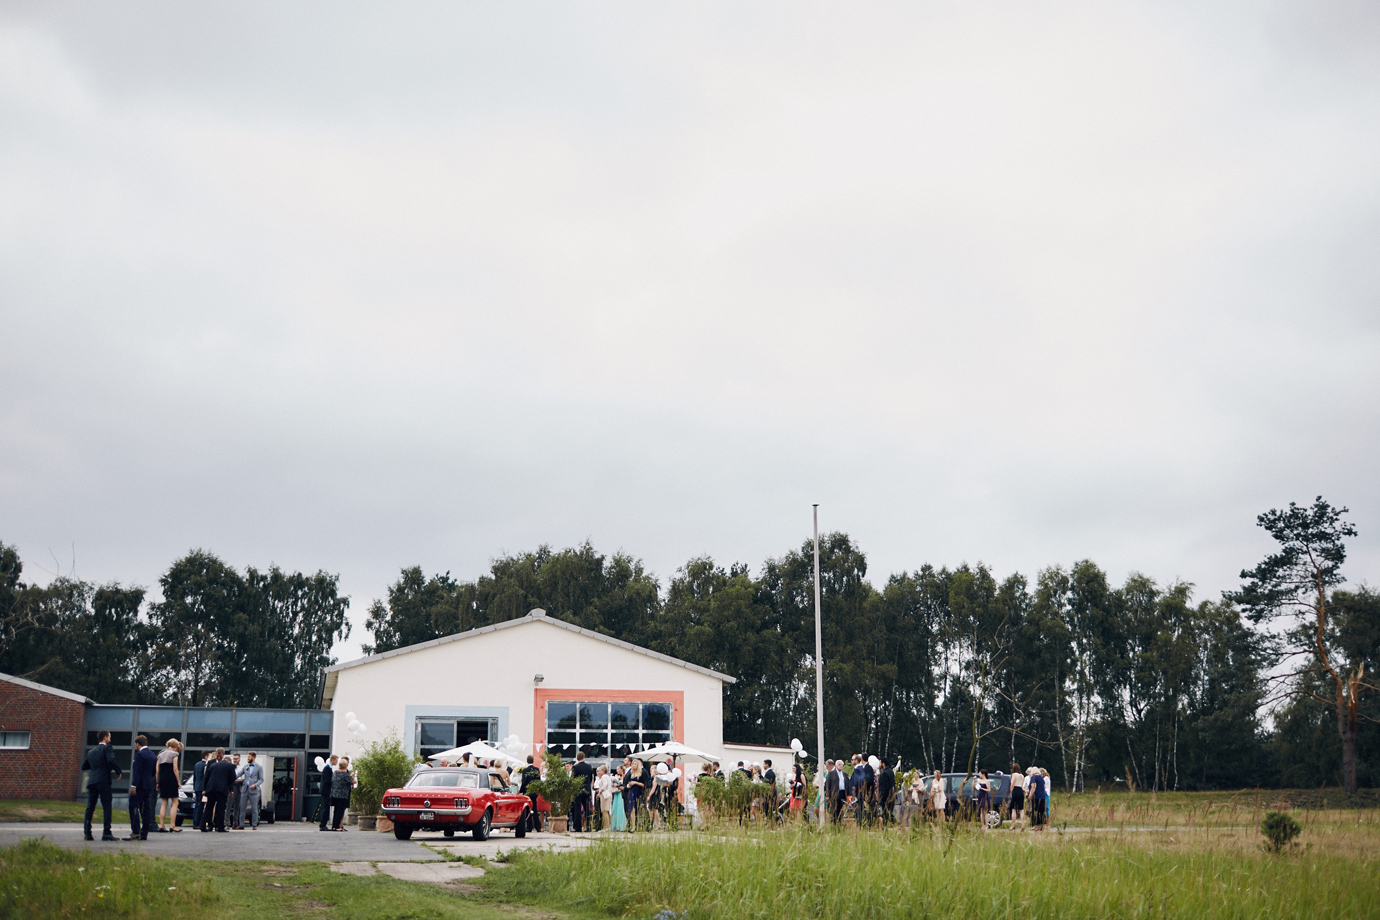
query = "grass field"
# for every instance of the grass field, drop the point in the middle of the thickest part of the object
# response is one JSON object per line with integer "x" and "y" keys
{"x": 47, "y": 810}
{"x": 1243, "y": 808}
{"x": 1204, "y": 861}
{"x": 39, "y": 881}
{"x": 932, "y": 874}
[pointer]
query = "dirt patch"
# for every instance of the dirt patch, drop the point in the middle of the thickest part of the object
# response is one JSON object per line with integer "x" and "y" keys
{"x": 528, "y": 912}
{"x": 310, "y": 907}
{"x": 278, "y": 870}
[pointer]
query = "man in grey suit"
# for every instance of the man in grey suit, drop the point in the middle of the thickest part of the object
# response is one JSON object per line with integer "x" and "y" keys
{"x": 252, "y": 775}
{"x": 833, "y": 791}
{"x": 234, "y": 806}
{"x": 100, "y": 763}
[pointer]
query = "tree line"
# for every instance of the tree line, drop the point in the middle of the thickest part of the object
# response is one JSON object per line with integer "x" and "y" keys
{"x": 1138, "y": 683}
{"x": 219, "y": 637}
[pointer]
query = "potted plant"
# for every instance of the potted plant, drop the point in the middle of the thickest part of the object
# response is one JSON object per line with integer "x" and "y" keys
{"x": 559, "y": 788}
{"x": 384, "y": 765}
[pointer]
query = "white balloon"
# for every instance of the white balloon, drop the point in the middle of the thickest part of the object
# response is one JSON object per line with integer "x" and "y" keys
{"x": 320, "y": 763}
{"x": 363, "y": 728}
{"x": 873, "y": 762}
{"x": 796, "y": 745}
{"x": 349, "y": 717}
{"x": 353, "y": 725}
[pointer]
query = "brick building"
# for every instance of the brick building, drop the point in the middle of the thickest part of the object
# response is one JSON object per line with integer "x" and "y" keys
{"x": 42, "y": 730}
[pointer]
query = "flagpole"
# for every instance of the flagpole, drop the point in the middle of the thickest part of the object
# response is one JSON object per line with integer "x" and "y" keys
{"x": 819, "y": 676}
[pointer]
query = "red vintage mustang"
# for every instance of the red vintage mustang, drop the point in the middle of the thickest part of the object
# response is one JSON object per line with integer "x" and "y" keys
{"x": 451, "y": 799}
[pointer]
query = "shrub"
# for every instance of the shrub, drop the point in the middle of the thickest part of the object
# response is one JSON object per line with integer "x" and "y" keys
{"x": 558, "y": 787}
{"x": 1279, "y": 830}
{"x": 383, "y": 765}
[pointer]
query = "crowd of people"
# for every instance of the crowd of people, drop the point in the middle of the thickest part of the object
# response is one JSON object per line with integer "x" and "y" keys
{"x": 226, "y": 793}
{"x": 626, "y": 796}
{"x": 868, "y": 790}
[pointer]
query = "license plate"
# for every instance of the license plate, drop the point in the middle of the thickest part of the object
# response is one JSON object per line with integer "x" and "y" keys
{"x": 426, "y": 816}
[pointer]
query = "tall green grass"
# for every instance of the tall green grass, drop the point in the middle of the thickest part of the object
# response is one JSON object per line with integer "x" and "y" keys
{"x": 38, "y": 879}
{"x": 896, "y": 876}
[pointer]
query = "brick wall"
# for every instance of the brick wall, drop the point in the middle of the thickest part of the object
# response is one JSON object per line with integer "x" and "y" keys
{"x": 51, "y": 767}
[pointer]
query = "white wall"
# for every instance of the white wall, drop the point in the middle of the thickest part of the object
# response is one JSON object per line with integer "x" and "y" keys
{"x": 494, "y": 670}
{"x": 781, "y": 757}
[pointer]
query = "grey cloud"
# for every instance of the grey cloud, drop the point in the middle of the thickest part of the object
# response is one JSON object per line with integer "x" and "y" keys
{"x": 340, "y": 287}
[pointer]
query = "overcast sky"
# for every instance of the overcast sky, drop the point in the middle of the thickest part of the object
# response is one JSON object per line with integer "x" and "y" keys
{"x": 354, "y": 287}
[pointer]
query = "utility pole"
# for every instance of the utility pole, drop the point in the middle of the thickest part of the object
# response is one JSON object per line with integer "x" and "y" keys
{"x": 819, "y": 676}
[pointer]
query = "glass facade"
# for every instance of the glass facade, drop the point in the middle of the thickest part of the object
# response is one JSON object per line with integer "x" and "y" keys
{"x": 606, "y": 730}
{"x": 281, "y": 734}
{"x": 435, "y": 734}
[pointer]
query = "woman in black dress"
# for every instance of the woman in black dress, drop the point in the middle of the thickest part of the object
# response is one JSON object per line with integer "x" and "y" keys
{"x": 1016, "y": 797}
{"x": 168, "y": 780}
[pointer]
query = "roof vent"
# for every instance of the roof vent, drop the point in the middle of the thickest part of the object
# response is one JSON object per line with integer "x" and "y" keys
{"x": 536, "y": 613}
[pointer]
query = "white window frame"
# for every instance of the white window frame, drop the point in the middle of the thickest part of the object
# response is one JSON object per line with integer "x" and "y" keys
{"x": 9, "y": 741}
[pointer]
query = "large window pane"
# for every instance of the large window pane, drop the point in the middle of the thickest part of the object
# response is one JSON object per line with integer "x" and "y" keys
{"x": 320, "y": 742}
{"x": 594, "y": 715}
{"x": 117, "y": 739}
{"x": 278, "y": 740}
{"x": 656, "y": 716}
{"x": 321, "y": 721}
{"x": 604, "y": 730}
{"x": 439, "y": 735}
{"x": 110, "y": 717}
{"x": 560, "y": 716}
{"x": 159, "y": 719}
{"x": 257, "y": 720}
{"x": 204, "y": 740}
{"x": 208, "y": 718}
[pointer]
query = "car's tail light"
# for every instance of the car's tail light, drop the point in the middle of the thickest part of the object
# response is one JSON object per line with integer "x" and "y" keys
{"x": 392, "y": 801}
{"x": 459, "y": 803}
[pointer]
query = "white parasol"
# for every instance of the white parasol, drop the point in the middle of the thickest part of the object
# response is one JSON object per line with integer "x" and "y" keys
{"x": 477, "y": 750}
{"x": 673, "y": 749}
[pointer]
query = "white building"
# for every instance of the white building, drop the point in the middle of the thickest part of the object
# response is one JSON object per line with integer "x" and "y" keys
{"x": 547, "y": 681}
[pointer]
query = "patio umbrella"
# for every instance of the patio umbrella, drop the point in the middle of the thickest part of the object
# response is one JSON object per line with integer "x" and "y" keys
{"x": 477, "y": 750}
{"x": 672, "y": 749}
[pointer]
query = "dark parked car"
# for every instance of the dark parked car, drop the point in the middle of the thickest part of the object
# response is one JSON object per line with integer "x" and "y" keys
{"x": 965, "y": 798}
{"x": 185, "y": 803}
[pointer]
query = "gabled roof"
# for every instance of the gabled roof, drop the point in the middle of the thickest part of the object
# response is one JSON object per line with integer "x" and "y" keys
{"x": 536, "y": 616}
{"x": 44, "y": 688}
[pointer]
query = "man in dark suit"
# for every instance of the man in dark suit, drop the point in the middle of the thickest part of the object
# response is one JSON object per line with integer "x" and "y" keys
{"x": 327, "y": 772}
{"x": 531, "y": 774}
{"x": 199, "y": 786}
{"x": 864, "y": 786}
{"x": 580, "y": 807}
{"x": 769, "y": 800}
{"x": 220, "y": 778}
{"x": 833, "y": 791}
{"x": 886, "y": 791}
{"x": 141, "y": 789}
{"x": 100, "y": 763}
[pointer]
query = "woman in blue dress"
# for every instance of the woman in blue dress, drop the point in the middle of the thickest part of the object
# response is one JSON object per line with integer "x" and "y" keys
{"x": 636, "y": 785}
{"x": 620, "y": 815}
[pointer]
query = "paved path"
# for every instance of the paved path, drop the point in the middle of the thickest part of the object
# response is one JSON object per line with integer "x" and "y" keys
{"x": 290, "y": 843}
{"x": 443, "y": 873}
